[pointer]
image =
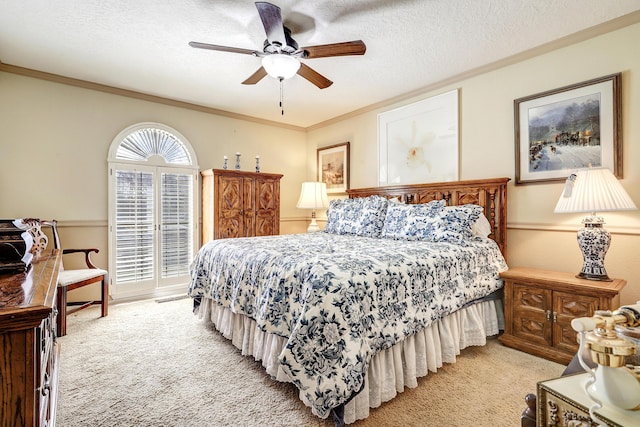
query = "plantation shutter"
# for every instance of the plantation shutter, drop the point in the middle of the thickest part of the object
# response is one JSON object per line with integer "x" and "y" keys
{"x": 134, "y": 226}
{"x": 176, "y": 224}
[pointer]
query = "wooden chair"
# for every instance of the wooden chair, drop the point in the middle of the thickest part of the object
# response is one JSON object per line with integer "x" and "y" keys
{"x": 69, "y": 280}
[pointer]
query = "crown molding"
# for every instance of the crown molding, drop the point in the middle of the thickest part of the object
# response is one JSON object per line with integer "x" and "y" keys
{"x": 85, "y": 84}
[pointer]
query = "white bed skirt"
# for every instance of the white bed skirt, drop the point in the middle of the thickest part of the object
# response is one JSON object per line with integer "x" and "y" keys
{"x": 389, "y": 371}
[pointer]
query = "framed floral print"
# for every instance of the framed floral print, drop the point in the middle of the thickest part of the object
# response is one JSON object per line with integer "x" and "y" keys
{"x": 418, "y": 143}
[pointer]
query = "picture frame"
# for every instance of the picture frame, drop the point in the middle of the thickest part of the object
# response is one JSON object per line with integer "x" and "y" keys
{"x": 333, "y": 167}
{"x": 419, "y": 143}
{"x": 569, "y": 128}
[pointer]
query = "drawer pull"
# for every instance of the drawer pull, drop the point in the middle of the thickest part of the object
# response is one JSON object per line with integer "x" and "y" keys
{"x": 548, "y": 314}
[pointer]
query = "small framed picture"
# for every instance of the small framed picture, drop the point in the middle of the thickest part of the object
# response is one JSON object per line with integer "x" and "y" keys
{"x": 333, "y": 167}
{"x": 569, "y": 128}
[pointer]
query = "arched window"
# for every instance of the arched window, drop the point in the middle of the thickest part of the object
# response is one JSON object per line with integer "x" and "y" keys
{"x": 152, "y": 211}
{"x": 147, "y": 141}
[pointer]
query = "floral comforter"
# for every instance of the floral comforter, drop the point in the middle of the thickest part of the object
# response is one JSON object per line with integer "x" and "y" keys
{"x": 341, "y": 299}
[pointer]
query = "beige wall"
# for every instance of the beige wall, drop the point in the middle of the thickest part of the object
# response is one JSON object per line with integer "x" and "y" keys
{"x": 43, "y": 123}
{"x": 55, "y": 141}
{"x": 537, "y": 236}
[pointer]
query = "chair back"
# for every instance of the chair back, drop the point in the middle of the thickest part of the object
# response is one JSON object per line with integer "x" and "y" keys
{"x": 40, "y": 239}
{"x": 53, "y": 224}
{"x": 54, "y": 231}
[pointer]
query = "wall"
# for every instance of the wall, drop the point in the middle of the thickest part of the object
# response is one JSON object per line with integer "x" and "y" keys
{"x": 537, "y": 236}
{"x": 55, "y": 140}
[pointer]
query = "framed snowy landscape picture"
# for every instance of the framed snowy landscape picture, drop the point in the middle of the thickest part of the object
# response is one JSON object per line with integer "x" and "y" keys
{"x": 570, "y": 128}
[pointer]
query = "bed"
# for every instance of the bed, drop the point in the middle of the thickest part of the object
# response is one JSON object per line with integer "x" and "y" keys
{"x": 401, "y": 279}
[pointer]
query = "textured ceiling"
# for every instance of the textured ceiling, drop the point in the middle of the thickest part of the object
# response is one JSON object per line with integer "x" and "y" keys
{"x": 141, "y": 45}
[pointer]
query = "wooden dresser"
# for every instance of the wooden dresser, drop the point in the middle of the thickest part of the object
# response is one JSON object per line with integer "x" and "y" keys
{"x": 539, "y": 306}
{"x": 239, "y": 204}
{"x": 29, "y": 353}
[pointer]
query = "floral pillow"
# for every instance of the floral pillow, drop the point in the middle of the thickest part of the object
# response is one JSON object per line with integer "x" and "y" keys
{"x": 412, "y": 222}
{"x": 456, "y": 224}
{"x": 361, "y": 216}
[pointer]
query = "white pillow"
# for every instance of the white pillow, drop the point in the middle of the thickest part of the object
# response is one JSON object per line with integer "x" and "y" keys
{"x": 480, "y": 228}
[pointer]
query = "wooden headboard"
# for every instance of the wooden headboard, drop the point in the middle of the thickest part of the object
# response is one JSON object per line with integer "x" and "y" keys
{"x": 491, "y": 194}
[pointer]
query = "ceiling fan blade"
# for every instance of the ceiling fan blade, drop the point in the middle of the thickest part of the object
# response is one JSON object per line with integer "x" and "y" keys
{"x": 313, "y": 76}
{"x": 255, "y": 77}
{"x": 199, "y": 45}
{"x": 272, "y": 22}
{"x": 356, "y": 47}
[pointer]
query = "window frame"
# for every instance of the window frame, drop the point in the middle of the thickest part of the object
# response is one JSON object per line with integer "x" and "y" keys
{"x": 157, "y": 165}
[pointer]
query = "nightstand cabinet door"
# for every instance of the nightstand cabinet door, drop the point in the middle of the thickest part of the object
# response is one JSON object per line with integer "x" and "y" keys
{"x": 539, "y": 306}
{"x": 566, "y": 307}
{"x": 531, "y": 308}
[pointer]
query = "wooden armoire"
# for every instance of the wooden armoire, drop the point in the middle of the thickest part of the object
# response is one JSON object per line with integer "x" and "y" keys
{"x": 239, "y": 204}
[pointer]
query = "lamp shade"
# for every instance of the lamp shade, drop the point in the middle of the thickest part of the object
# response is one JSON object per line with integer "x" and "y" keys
{"x": 280, "y": 66}
{"x": 594, "y": 190}
{"x": 313, "y": 196}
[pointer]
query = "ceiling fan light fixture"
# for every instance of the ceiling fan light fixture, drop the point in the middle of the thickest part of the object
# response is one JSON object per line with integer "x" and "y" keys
{"x": 280, "y": 66}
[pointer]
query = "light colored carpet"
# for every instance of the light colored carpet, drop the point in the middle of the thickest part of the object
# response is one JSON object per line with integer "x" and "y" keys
{"x": 156, "y": 364}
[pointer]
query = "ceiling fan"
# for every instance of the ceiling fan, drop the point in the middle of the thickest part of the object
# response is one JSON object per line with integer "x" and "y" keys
{"x": 281, "y": 54}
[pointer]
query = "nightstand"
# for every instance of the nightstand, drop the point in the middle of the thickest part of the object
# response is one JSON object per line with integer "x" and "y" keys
{"x": 539, "y": 306}
{"x": 563, "y": 402}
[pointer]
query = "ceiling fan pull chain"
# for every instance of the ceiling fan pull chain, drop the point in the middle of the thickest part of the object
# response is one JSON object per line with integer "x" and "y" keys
{"x": 281, "y": 96}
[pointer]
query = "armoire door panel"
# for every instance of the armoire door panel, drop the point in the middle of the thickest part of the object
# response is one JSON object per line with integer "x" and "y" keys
{"x": 231, "y": 193}
{"x": 264, "y": 226}
{"x": 266, "y": 195}
{"x": 229, "y": 228}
